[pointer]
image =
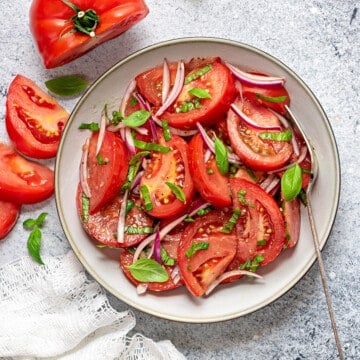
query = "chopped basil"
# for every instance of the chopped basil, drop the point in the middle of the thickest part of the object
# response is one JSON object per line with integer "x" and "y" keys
{"x": 228, "y": 227}
{"x": 261, "y": 242}
{"x": 241, "y": 197}
{"x": 166, "y": 130}
{"x": 68, "y": 85}
{"x": 274, "y": 99}
{"x": 129, "y": 205}
{"x": 137, "y": 118}
{"x": 101, "y": 161}
{"x": 148, "y": 270}
{"x": 276, "y": 136}
{"x": 151, "y": 146}
{"x": 291, "y": 182}
{"x": 195, "y": 75}
{"x": 133, "y": 101}
{"x": 253, "y": 264}
{"x": 196, "y": 246}
{"x": 187, "y": 106}
{"x": 93, "y": 126}
{"x": 85, "y": 204}
{"x": 134, "y": 165}
{"x": 166, "y": 258}
{"x": 177, "y": 191}
{"x": 34, "y": 239}
{"x": 221, "y": 156}
{"x": 117, "y": 118}
{"x": 303, "y": 197}
{"x": 199, "y": 93}
{"x": 136, "y": 230}
{"x": 145, "y": 194}
{"x": 203, "y": 212}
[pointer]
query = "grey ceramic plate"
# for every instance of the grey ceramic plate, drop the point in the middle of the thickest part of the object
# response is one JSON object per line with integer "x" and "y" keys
{"x": 232, "y": 300}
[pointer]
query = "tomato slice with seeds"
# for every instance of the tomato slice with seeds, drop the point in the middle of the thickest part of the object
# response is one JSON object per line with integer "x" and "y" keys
{"x": 105, "y": 177}
{"x": 260, "y": 228}
{"x": 9, "y": 213}
{"x": 34, "y": 120}
{"x": 204, "y": 266}
{"x": 23, "y": 181}
{"x": 211, "y": 184}
{"x": 169, "y": 167}
{"x": 102, "y": 225}
{"x": 255, "y": 152}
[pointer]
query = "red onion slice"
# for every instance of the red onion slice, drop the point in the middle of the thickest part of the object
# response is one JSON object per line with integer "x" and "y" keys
{"x": 254, "y": 79}
{"x": 229, "y": 274}
{"x": 122, "y": 218}
{"x": 129, "y": 141}
{"x": 157, "y": 241}
{"x": 165, "y": 81}
{"x": 83, "y": 169}
{"x": 176, "y": 89}
{"x": 142, "y": 288}
{"x": 300, "y": 159}
{"x": 101, "y": 132}
{"x": 128, "y": 91}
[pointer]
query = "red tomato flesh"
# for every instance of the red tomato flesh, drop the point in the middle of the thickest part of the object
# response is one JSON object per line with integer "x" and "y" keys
{"x": 9, "y": 213}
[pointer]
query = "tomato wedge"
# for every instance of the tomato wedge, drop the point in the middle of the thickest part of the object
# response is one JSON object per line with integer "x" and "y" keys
{"x": 260, "y": 229}
{"x": 34, "y": 120}
{"x": 291, "y": 213}
{"x": 211, "y": 184}
{"x": 201, "y": 268}
{"x": 9, "y": 213}
{"x": 23, "y": 181}
{"x": 105, "y": 177}
{"x": 171, "y": 167}
{"x": 52, "y": 26}
{"x": 255, "y": 152}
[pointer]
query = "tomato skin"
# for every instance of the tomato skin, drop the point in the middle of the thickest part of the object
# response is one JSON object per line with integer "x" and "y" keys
{"x": 202, "y": 268}
{"x": 212, "y": 187}
{"x": 50, "y": 26}
{"x": 9, "y": 213}
{"x": 170, "y": 167}
{"x": 291, "y": 213}
{"x": 105, "y": 180}
{"x": 34, "y": 120}
{"x": 261, "y": 219}
{"x": 23, "y": 181}
{"x": 255, "y": 152}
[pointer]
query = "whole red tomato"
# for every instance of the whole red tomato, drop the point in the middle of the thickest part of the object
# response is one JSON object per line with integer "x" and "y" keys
{"x": 66, "y": 29}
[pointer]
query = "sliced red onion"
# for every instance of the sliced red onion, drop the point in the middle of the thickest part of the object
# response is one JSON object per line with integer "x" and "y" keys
{"x": 136, "y": 181}
{"x": 129, "y": 141}
{"x": 175, "y": 274}
{"x": 157, "y": 241}
{"x": 249, "y": 121}
{"x": 142, "y": 288}
{"x": 122, "y": 218}
{"x": 207, "y": 155}
{"x": 115, "y": 128}
{"x": 255, "y": 79}
{"x": 233, "y": 158}
{"x": 101, "y": 132}
{"x": 151, "y": 119}
{"x": 128, "y": 91}
{"x": 176, "y": 131}
{"x": 300, "y": 159}
{"x": 229, "y": 274}
{"x": 83, "y": 169}
{"x": 267, "y": 181}
{"x": 165, "y": 81}
{"x": 274, "y": 183}
{"x": 176, "y": 89}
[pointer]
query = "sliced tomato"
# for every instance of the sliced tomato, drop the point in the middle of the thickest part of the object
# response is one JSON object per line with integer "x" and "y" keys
{"x": 171, "y": 167}
{"x": 105, "y": 177}
{"x": 34, "y": 120}
{"x": 291, "y": 213}
{"x": 200, "y": 269}
{"x": 102, "y": 225}
{"x": 208, "y": 180}
{"x": 9, "y": 213}
{"x": 255, "y": 152}
{"x": 126, "y": 259}
{"x": 23, "y": 181}
{"x": 273, "y": 97}
{"x": 260, "y": 229}
{"x": 59, "y": 42}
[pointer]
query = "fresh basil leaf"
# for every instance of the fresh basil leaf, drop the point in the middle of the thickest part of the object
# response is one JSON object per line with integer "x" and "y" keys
{"x": 199, "y": 93}
{"x": 221, "y": 158}
{"x": 68, "y": 85}
{"x": 145, "y": 194}
{"x": 135, "y": 230}
{"x": 29, "y": 223}
{"x": 34, "y": 244}
{"x": 166, "y": 258}
{"x": 177, "y": 191}
{"x": 276, "y": 136}
{"x": 198, "y": 73}
{"x": 291, "y": 182}
{"x": 93, "y": 126}
{"x": 151, "y": 146}
{"x": 148, "y": 270}
{"x": 137, "y": 118}
{"x": 274, "y": 99}
{"x": 195, "y": 247}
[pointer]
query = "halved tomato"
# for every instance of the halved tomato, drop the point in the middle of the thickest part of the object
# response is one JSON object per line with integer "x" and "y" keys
{"x": 260, "y": 228}
{"x": 255, "y": 152}
{"x": 171, "y": 167}
{"x": 9, "y": 213}
{"x": 107, "y": 171}
{"x": 23, "y": 181}
{"x": 200, "y": 268}
{"x": 34, "y": 120}
{"x": 211, "y": 184}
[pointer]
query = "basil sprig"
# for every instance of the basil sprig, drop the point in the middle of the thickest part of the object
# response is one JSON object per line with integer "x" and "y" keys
{"x": 221, "y": 158}
{"x": 148, "y": 270}
{"x": 291, "y": 182}
{"x": 34, "y": 240}
{"x": 68, "y": 85}
{"x": 276, "y": 136}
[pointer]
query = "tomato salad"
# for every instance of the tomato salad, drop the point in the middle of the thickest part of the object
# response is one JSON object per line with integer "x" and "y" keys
{"x": 197, "y": 179}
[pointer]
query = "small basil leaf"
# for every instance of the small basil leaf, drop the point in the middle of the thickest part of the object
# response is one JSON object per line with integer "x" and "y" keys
{"x": 151, "y": 146}
{"x": 199, "y": 93}
{"x": 29, "y": 223}
{"x": 291, "y": 182}
{"x": 221, "y": 156}
{"x": 137, "y": 118}
{"x": 34, "y": 244}
{"x": 177, "y": 191}
{"x": 276, "y": 136}
{"x": 68, "y": 85}
{"x": 148, "y": 270}
{"x": 274, "y": 99}
{"x": 40, "y": 219}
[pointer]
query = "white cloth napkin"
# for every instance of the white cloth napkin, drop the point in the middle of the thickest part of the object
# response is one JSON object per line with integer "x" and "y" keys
{"x": 54, "y": 311}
